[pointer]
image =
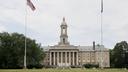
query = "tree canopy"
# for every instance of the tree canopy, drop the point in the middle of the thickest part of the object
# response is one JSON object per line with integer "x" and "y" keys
{"x": 12, "y": 48}
{"x": 119, "y": 55}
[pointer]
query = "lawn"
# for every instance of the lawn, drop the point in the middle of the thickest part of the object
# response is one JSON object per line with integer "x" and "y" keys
{"x": 63, "y": 70}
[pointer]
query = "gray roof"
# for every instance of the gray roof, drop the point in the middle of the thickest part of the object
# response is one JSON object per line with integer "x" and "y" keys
{"x": 90, "y": 48}
{"x": 81, "y": 48}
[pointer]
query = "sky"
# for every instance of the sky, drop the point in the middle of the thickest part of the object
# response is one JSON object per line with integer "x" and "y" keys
{"x": 83, "y": 18}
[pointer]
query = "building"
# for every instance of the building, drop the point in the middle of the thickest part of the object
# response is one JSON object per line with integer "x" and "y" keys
{"x": 67, "y": 55}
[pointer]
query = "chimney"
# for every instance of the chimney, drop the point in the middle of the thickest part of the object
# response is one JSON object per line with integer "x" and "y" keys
{"x": 93, "y": 45}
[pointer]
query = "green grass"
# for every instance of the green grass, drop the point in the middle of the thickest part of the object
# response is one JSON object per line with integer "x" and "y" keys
{"x": 63, "y": 70}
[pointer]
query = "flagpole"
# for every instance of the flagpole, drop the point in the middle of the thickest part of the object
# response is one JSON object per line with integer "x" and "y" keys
{"x": 101, "y": 41}
{"x": 30, "y": 4}
{"x": 25, "y": 59}
{"x": 101, "y": 35}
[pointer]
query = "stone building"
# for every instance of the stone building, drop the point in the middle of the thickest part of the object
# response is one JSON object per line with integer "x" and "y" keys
{"x": 66, "y": 55}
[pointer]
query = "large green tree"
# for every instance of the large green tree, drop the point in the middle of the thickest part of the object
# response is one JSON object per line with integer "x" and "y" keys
{"x": 12, "y": 48}
{"x": 119, "y": 55}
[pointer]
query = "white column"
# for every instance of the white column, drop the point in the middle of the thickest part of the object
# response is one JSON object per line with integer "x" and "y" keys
{"x": 66, "y": 58}
{"x": 70, "y": 58}
{"x": 50, "y": 58}
{"x": 73, "y": 58}
{"x": 61, "y": 58}
{"x": 77, "y": 58}
{"x": 57, "y": 58}
{"x": 54, "y": 57}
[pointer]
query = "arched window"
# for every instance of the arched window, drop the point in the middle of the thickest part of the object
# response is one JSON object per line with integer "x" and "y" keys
{"x": 63, "y": 27}
{"x": 64, "y": 40}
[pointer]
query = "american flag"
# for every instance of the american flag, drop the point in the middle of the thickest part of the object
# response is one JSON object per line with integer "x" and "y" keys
{"x": 101, "y": 6}
{"x": 30, "y": 4}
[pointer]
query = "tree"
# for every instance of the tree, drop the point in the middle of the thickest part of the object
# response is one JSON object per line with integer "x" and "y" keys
{"x": 12, "y": 51}
{"x": 119, "y": 55}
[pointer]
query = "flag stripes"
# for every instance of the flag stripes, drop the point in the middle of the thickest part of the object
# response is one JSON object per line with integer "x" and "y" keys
{"x": 30, "y": 4}
{"x": 101, "y": 6}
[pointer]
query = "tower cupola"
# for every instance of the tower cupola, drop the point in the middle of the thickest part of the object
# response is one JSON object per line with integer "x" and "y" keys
{"x": 63, "y": 35}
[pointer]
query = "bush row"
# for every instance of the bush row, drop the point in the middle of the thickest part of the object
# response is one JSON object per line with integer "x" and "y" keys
{"x": 91, "y": 65}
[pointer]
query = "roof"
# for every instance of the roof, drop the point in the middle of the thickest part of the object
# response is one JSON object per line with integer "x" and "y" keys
{"x": 90, "y": 48}
{"x": 80, "y": 48}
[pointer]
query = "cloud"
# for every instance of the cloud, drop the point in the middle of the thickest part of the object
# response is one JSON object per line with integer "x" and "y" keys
{"x": 82, "y": 17}
{"x": 2, "y": 28}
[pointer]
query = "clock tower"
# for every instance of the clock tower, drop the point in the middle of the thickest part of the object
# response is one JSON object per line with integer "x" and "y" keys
{"x": 63, "y": 36}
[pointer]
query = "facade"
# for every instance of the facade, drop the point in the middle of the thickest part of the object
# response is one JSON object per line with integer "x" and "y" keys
{"x": 65, "y": 55}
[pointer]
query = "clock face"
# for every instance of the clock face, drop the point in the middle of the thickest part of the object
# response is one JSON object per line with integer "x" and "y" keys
{"x": 64, "y": 31}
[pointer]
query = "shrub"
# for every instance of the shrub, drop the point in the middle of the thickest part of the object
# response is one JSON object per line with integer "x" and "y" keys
{"x": 37, "y": 66}
{"x": 91, "y": 65}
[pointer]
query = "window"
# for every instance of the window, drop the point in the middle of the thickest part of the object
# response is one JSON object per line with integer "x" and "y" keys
{"x": 63, "y": 27}
{"x": 64, "y": 31}
{"x": 64, "y": 40}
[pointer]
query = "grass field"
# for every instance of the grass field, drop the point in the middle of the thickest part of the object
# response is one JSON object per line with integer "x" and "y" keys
{"x": 63, "y": 70}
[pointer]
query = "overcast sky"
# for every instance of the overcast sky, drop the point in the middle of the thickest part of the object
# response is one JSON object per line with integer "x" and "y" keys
{"x": 82, "y": 17}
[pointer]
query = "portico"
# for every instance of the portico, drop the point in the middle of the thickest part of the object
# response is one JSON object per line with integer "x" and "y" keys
{"x": 63, "y": 58}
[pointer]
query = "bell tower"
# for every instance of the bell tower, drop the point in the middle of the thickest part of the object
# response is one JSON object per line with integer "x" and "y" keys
{"x": 63, "y": 35}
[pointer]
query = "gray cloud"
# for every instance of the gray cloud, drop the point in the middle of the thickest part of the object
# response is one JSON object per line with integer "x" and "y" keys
{"x": 82, "y": 17}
